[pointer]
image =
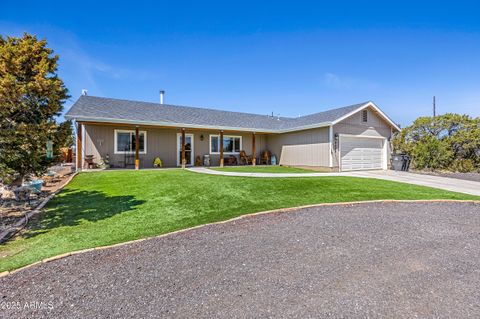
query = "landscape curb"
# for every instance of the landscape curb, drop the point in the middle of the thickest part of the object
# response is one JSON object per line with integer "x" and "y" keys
{"x": 280, "y": 210}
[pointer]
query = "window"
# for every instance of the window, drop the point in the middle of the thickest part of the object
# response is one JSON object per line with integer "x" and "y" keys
{"x": 231, "y": 144}
{"x": 125, "y": 142}
{"x": 364, "y": 116}
{"x": 214, "y": 144}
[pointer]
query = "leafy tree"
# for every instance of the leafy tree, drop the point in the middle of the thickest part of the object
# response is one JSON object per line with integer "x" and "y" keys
{"x": 449, "y": 141}
{"x": 63, "y": 137}
{"x": 31, "y": 96}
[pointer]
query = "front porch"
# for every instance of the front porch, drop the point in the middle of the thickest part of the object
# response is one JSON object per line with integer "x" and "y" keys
{"x": 101, "y": 145}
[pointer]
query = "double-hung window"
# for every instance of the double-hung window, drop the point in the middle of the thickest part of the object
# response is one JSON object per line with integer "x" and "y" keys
{"x": 125, "y": 142}
{"x": 231, "y": 144}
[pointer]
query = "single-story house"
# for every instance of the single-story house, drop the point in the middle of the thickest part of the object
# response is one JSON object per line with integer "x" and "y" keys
{"x": 124, "y": 133}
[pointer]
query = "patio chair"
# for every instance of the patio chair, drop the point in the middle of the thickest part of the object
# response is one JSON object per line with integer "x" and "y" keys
{"x": 230, "y": 160}
{"x": 265, "y": 157}
{"x": 245, "y": 159}
{"x": 89, "y": 161}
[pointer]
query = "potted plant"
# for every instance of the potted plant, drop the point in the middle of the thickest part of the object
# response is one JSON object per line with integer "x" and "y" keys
{"x": 157, "y": 162}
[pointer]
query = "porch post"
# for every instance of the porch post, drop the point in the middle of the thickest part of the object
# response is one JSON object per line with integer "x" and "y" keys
{"x": 221, "y": 148}
{"x": 254, "y": 150}
{"x": 79, "y": 146}
{"x": 183, "y": 160}
{"x": 137, "y": 147}
{"x": 330, "y": 146}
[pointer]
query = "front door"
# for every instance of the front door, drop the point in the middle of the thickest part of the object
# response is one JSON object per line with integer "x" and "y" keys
{"x": 188, "y": 149}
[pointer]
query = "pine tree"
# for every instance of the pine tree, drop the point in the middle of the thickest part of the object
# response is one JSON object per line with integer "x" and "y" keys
{"x": 31, "y": 96}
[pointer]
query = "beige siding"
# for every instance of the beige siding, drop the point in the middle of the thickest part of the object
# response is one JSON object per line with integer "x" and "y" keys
{"x": 305, "y": 148}
{"x": 302, "y": 148}
{"x": 203, "y": 147}
{"x": 99, "y": 142}
{"x": 353, "y": 125}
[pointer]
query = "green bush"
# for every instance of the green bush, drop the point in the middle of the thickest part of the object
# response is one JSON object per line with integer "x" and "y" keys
{"x": 431, "y": 153}
{"x": 157, "y": 162}
{"x": 463, "y": 166}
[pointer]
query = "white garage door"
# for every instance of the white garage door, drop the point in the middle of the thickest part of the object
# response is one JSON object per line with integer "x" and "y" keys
{"x": 358, "y": 153}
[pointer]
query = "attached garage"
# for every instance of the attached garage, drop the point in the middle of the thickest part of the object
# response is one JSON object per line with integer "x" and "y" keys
{"x": 362, "y": 153}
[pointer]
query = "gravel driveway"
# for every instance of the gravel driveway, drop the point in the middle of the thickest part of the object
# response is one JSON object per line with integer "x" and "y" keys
{"x": 363, "y": 260}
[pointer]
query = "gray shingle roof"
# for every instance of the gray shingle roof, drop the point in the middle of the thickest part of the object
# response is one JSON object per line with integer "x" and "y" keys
{"x": 90, "y": 108}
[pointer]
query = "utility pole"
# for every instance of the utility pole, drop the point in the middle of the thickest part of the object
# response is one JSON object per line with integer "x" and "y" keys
{"x": 434, "y": 107}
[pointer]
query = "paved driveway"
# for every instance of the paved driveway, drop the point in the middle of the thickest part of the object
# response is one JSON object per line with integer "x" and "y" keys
{"x": 447, "y": 183}
{"x": 365, "y": 260}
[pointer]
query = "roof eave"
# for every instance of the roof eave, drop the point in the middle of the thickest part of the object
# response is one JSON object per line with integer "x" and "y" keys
{"x": 166, "y": 124}
{"x": 304, "y": 127}
{"x": 196, "y": 126}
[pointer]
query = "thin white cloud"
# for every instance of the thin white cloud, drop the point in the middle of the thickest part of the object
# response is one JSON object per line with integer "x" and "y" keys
{"x": 334, "y": 81}
{"x": 337, "y": 82}
{"x": 78, "y": 67}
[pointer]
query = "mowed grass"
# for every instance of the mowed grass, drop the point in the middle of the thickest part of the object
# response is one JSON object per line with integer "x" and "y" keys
{"x": 264, "y": 169}
{"x": 105, "y": 208}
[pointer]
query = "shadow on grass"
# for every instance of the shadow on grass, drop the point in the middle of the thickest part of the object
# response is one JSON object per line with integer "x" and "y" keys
{"x": 72, "y": 208}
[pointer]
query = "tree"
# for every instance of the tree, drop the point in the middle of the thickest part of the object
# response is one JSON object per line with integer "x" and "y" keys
{"x": 432, "y": 153}
{"x": 449, "y": 141}
{"x": 31, "y": 96}
{"x": 63, "y": 137}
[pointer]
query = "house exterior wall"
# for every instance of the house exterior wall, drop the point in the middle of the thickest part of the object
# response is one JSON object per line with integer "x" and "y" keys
{"x": 99, "y": 142}
{"x": 203, "y": 147}
{"x": 302, "y": 148}
{"x": 161, "y": 142}
{"x": 353, "y": 125}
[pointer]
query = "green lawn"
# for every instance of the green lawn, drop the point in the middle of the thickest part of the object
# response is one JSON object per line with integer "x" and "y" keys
{"x": 263, "y": 169}
{"x": 109, "y": 207}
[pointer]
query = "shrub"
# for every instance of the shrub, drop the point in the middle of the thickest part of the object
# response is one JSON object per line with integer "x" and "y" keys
{"x": 463, "y": 165}
{"x": 431, "y": 153}
{"x": 157, "y": 162}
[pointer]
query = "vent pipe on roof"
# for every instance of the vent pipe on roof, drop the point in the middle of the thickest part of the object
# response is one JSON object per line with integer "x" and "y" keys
{"x": 84, "y": 92}
{"x": 162, "y": 94}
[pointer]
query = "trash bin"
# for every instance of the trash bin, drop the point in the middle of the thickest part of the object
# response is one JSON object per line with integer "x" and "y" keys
{"x": 206, "y": 160}
{"x": 405, "y": 162}
{"x": 273, "y": 160}
{"x": 397, "y": 162}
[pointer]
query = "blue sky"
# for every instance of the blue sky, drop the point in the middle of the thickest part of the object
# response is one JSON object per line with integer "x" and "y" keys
{"x": 290, "y": 58}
